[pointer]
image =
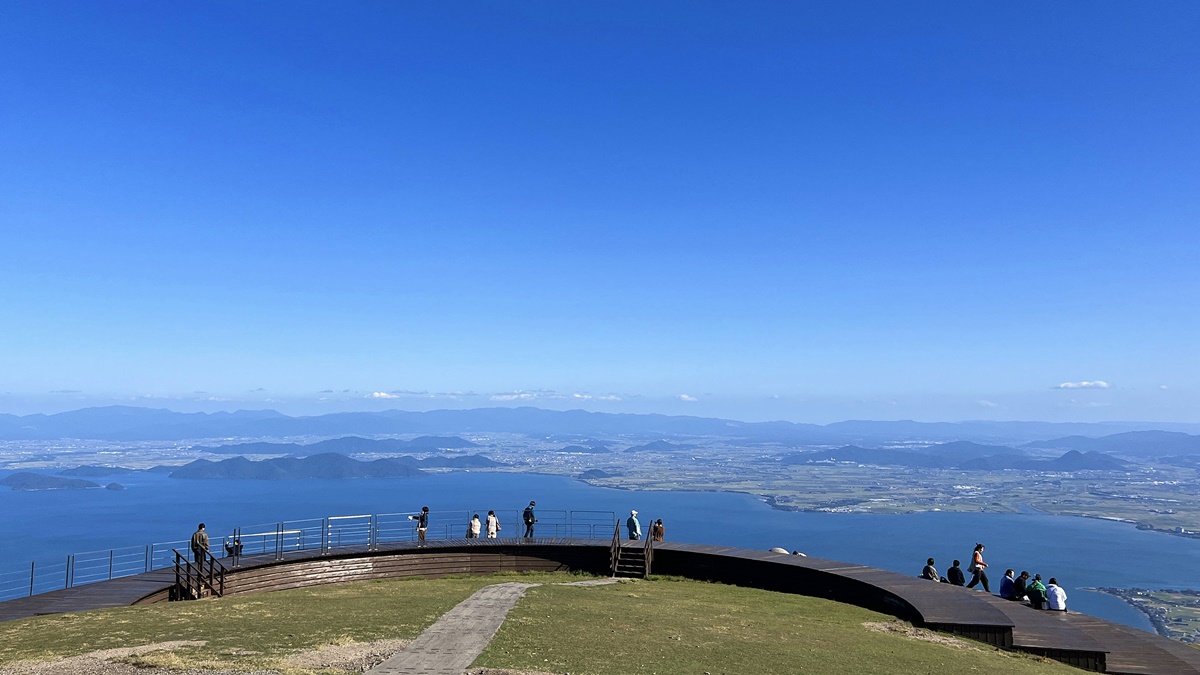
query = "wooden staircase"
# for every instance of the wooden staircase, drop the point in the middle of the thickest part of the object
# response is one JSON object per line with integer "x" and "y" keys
{"x": 194, "y": 581}
{"x": 631, "y": 560}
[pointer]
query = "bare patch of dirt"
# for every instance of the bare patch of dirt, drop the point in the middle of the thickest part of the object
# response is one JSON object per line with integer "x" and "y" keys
{"x": 105, "y": 662}
{"x": 910, "y": 631}
{"x": 505, "y": 671}
{"x": 354, "y": 657}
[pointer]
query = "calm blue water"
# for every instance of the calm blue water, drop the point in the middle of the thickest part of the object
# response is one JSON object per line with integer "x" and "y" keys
{"x": 48, "y": 525}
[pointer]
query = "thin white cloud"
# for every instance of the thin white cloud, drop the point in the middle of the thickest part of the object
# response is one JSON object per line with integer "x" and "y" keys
{"x": 687, "y": 397}
{"x": 515, "y": 396}
{"x": 1163, "y": 387}
{"x": 989, "y": 404}
{"x": 382, "y": 395}
{"x": 608, "y": 397}
{"x": 1094, "y": 384}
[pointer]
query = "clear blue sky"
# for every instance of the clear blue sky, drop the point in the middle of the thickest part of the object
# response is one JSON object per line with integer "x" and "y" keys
{"x": 804, "y": 211}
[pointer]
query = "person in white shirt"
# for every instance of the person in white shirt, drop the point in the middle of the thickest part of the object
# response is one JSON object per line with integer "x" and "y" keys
{"x": 473, "y": 528}
{"x": 493, "y": 525}
{"x": 1056, "y": 597}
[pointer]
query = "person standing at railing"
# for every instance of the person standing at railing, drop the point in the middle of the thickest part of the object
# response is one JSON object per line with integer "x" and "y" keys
{"x": 634, "y": 527}
{"x": 199, "y": 544}
{"x": 234, "y": 550}
{"x": 473, "y": 527}
{"x": 657, "y": 531}
{"x": 528, "y": 517}
{"x": 493, "y": 525}
{"x": 422, "y": 519}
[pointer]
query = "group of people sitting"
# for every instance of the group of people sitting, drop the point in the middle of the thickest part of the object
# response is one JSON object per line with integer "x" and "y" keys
{"x": 1017, "y": 588}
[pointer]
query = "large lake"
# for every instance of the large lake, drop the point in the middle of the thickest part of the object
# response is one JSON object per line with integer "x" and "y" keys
{"x": 47, "y": 525}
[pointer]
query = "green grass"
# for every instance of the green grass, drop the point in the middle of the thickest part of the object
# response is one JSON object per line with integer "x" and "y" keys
{"x": 662, "y": 626}
{"x": 671, "y": 627}
{"x": 251, "y": 631}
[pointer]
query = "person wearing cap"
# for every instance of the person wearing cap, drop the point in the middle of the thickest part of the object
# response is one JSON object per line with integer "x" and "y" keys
{"x": 1036, "y": 591}
{"x": 529, "y": 519}
{"x": 635, "y": 528}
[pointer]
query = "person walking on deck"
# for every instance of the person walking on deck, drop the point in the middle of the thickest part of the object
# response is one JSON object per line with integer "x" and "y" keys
{"x": 529, "y": 519}
{"x": 199, "y": 544}
{"x": 977, "y": 569}
{"x": 493, "y": 525}
{"x": 634, "y": 527}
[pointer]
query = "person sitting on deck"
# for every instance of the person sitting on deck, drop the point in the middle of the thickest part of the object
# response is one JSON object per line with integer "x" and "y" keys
{"x": 929, "y": 571}
{"x": 1036, "y": 592}
{"x": 955, "y": 575}
{"x": 1056, "y": 597}
{"x": 1018, "y": 590}
{"x": 1006, "y": 585}
{"x": 233, "y": 548}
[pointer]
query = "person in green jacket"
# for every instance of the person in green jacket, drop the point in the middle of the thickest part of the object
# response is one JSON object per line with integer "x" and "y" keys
{"x": 1036, "y": 591}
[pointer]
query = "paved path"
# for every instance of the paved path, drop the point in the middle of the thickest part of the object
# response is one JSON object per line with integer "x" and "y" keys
{"x": 452, "y": 644}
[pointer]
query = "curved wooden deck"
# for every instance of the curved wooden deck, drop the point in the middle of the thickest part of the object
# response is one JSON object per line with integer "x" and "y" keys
{"x": 1078, "y": 639}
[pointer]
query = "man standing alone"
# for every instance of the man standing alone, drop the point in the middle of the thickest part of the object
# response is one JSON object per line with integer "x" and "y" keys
{"x": 199, "y": 544}
{"x": 529, "y": 520}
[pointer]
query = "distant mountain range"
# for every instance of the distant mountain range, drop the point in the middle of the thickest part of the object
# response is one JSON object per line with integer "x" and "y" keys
{"x": 1131, "y": 443}
{"x": 347, "y": 445}
{"x": 326, "y": 465}
{"x": 960, "y": 455}
{"x": 124, "y": 423}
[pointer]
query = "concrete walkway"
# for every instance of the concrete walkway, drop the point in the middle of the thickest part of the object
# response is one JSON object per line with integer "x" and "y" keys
{"x": 452, "y": 644}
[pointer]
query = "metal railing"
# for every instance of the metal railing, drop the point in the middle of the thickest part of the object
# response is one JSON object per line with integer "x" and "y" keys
{"x": 195, "y": 580}
{"x": 327, "y": 534}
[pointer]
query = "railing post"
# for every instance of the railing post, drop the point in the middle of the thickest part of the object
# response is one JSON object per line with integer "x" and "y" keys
{"x": 31, "y": 564}
{"x": 325, "y": 532}
{"x": 110, "y": 564}
{"x": 149, "y": 553}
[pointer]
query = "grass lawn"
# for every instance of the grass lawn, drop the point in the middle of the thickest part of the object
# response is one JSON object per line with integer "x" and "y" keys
{"x": 667, "y": 627}
{"x": 252, "y": 631}
{"x": 661, "y": 626}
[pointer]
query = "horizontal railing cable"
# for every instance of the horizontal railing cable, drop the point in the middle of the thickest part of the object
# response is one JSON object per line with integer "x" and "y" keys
{"x": 328, "y": 534}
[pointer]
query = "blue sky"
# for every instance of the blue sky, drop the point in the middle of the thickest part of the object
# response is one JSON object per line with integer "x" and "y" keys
{"x": 773, "y": 211}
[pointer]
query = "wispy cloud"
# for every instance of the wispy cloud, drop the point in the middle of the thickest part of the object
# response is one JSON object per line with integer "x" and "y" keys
{"x": 1163, "y": 387}
{"x": 325, "y": 391}
{"x": 66, "y": 391}
{"x": 382, "y": 395}
{"x": 516, "y": 396}
{"x": 989, "y": 404}
{"x": 1094, "y": 384}
{"x": 409, "y": 392}
{"x": 687, "y": 397}
{"x": 255, "y": 391}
